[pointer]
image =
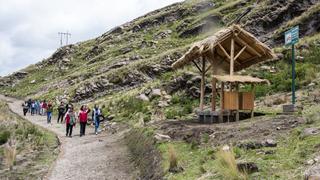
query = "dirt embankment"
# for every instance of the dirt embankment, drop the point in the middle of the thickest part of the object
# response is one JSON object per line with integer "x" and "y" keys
{"x": 258, "y": 129}
{"x": 33, "y": 149}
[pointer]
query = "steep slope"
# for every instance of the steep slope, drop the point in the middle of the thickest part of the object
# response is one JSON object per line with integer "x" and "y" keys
{"x": 128, "y": 69}
{"x": 142, "y": 50}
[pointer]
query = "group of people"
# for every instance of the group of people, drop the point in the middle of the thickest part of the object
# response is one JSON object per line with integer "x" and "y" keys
{"x": 65, "y": 113}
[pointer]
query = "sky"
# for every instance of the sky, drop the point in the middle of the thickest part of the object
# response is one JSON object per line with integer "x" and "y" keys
{"x": 29, "y": 28}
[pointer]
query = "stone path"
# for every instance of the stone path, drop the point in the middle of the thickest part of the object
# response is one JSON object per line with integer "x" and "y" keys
{"x": 102, "y": 156}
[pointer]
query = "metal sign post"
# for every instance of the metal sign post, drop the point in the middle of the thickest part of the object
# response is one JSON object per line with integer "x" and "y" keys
{"x": 291, "y": 38}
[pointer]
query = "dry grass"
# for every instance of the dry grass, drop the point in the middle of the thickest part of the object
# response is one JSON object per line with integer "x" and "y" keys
{"x": 227, "y": 166}
{"x": 10, "y": 153}
{"x": 173, "y": 158}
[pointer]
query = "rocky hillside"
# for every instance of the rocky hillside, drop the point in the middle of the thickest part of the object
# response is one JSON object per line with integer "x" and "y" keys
{"x": 141, "y": 51}
{"x": 128, "y": 70}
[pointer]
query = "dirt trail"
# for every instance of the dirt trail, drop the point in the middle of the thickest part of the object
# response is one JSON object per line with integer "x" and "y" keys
{"x": 103, "y": 156}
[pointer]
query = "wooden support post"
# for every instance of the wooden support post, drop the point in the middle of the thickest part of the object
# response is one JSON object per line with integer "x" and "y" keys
{"x": 203, "y": 73}
{"x": 221, "y": 102}
{"x": 237, "y": 112}
{"x": 253, "y": 89}
{"x": 232, "y": 57}
{"x": 214, "y": 94}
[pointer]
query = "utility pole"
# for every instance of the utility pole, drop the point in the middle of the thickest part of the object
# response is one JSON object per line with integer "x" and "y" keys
{"x": 64, "y": 36}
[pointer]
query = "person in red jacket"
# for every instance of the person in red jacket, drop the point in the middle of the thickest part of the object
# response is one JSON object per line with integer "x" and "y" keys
{"x": 70, "y": 118}
{"x": 83, "y": 118}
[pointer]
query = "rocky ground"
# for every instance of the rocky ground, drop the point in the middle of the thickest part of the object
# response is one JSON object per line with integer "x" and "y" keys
{"x": 257, "y": 130}
{"x": 102, "y": 156}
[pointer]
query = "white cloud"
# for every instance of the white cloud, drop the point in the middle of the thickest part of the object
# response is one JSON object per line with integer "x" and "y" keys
{"x": 29, "y": 28}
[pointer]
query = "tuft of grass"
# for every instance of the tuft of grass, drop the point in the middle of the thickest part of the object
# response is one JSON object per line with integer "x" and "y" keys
{"x": 227, "y": 166}
{"x": 173, "y": 159}
{"x": 10, "y": 153}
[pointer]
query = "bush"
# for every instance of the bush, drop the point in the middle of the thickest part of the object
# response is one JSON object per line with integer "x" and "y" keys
{"x": 4, "y": 136}
{"x": 133, "y": 105}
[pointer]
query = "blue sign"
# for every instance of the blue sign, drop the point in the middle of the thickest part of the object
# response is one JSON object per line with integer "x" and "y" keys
{"x": 292, "y": 36}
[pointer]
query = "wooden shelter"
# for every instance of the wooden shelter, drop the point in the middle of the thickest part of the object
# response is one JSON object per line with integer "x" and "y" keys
{"x": 227, "y": 51}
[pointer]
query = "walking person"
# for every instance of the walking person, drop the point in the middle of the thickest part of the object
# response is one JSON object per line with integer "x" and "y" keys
{"x": 83, "y": 118}
{"x": 61, "y": 112}
{"x": 25, "y": 108}
{"x": 33, "y": 108}
{"x": 96, "y": 118}
{"x": 38, "y": 107}
{"x": 49, "y": 113}
{"x": 44, "y": 107}
{"x": 29, "y": 105}
{"x": 70, "y": 121}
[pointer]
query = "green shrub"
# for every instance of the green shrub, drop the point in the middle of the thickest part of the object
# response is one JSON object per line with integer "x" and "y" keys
{"x": 132, "y": 105}
{"x": 4, "y": 136}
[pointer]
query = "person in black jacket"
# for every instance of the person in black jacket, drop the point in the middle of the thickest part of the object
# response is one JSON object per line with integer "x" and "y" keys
{"x": 61, "y": 112}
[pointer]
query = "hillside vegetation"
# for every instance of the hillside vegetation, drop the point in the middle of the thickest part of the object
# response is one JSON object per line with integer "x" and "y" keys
{"x": 128, "y": 70}
{"x": 28, "y": 149}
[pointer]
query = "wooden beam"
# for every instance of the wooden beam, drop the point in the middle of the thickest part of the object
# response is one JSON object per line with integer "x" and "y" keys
{"x": 237, "y": 112}
{"x": 214, "y": 94}
{"x": 253, "y": 89}
{"x": 197, "y": 66}
{"x": 221, "y": 103}
{"x": 232, "y": 57}
{"x": 224, "y": 51}
{"x": 248, "y": 46}
{"x": 249, "y": 62}
{"x": 240, "y": 52}
{"x": 208, "y": 68}
{"x": 202, "y": 83}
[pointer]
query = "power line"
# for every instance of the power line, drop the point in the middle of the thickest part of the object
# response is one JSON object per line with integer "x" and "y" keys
{"x": 64, "y": 36}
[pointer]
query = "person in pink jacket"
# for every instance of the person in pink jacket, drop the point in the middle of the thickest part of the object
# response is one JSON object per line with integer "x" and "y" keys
{"x": 70, "y": 118}
{"x": 83, "y": 118}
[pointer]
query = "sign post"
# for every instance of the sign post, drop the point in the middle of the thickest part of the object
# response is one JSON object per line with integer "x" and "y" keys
{"x": 291, "y": 38}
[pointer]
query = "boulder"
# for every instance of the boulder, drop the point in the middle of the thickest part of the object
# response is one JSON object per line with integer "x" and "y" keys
{"x": 126, "y": 50}
{"x": 163, "y": 104}
{"x": 162, "y": 138}
{"x": 270, "y": 143}
{"x": 310, "y": 131}
{"x": 313, "y": 173}
{"x": 143, "y": 97}
{"x": 155, "y": 93}
{"x": 248, "y": 167}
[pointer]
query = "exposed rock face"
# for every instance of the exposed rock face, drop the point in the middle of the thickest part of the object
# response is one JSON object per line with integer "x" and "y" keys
{"x": 270, "y": 17}
{"x": 96, "y": 50}
{"x": 60, "y": 54}
{"x": 11, "y": 80}
{"x": 206, "y": 25}
{"x": 105, "y": 85}
{"x": 188, "y": 82}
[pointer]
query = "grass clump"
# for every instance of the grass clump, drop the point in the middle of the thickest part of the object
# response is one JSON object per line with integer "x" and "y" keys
{"x": 144, "y": 153}
{"x": 10, "y": 153}
{"x": 227, "y": 166}
{"x": 173, "y": 159}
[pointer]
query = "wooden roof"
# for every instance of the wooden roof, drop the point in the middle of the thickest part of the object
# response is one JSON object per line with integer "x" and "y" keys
{"x": 240, "y": 79}
{"x": 216, "y": 49}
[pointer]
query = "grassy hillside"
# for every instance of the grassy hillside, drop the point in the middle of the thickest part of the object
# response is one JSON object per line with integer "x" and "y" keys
{"x": 128, "y": 70}
{"x": 32, "y": 152}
